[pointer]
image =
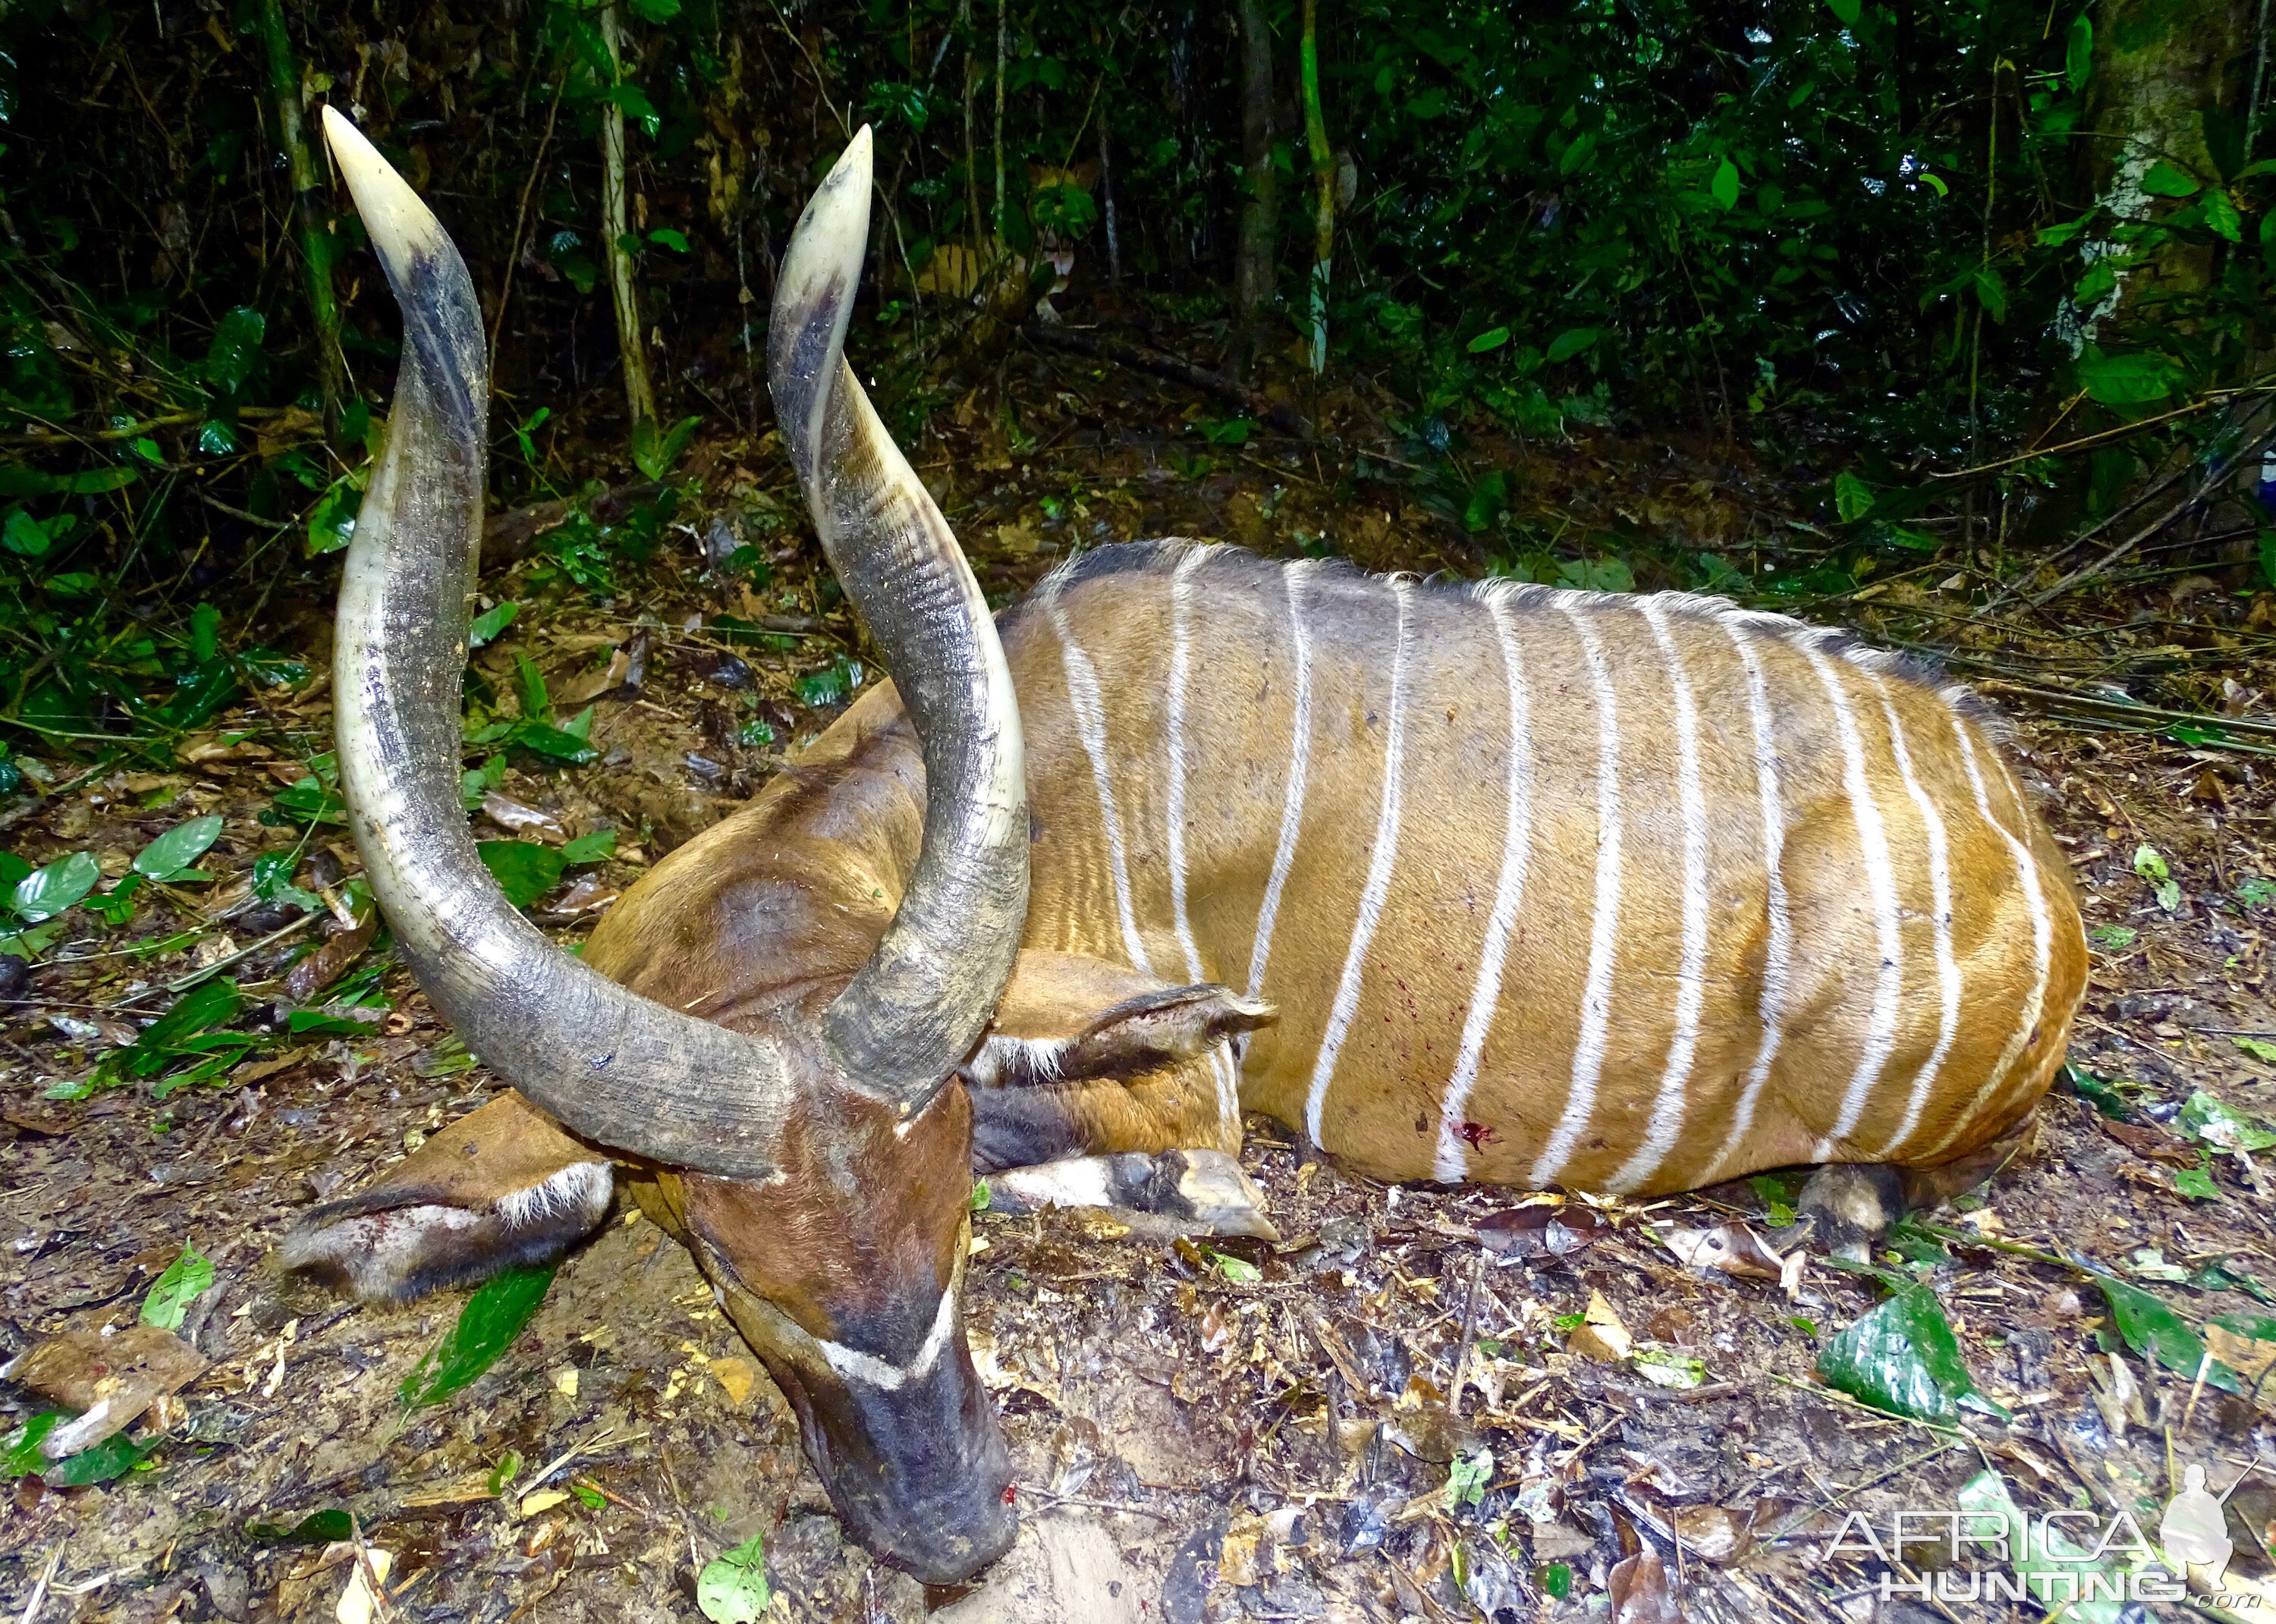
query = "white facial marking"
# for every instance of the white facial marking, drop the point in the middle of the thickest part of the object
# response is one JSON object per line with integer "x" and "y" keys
{"x": 1091, "y": 725}
{"x": 1378, "y": 874}
{"x": 1778, "y": 948}
{"x": 853, "y": 1365}
{"x": 1605, "y": 919}
{"x": 1881, "y": 881}
{"x": 1516, "y": 849}
{"x": 1292, "y": 804}
{"x": 1947, "y": 971}
{"x": 1690, "y": 978}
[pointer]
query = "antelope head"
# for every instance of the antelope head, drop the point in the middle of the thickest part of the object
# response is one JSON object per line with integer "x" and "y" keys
{"x": 817, "y": 1157}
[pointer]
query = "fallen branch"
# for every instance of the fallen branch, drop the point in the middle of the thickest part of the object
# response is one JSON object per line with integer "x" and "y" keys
{"x": 1142, "y": 357}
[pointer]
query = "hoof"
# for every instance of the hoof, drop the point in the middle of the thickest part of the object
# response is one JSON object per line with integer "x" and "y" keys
{"x": 1847, "y": 1208}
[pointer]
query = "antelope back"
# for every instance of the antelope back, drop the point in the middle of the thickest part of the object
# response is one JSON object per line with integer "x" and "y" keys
{"x": 1610, "y": 891}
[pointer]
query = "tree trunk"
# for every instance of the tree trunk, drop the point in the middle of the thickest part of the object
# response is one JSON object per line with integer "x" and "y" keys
{"x": 640, "y": 394}
{"x": 1324, "y": 187}
{"x": 312, "y": 215}
{"x": 2160, "y": 67}
{"x": 1254, "y": 257}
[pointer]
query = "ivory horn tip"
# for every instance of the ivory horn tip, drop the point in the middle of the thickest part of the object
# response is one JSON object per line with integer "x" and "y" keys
{"x": 403, "y": 230}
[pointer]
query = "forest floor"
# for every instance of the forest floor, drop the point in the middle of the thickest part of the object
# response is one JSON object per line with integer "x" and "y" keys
{"x": 1423, "y": 1403}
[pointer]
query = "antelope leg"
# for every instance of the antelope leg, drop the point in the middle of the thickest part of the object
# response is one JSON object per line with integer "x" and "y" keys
{"x": 503, "y": 1185}
{"x": 1173, "y": 1193}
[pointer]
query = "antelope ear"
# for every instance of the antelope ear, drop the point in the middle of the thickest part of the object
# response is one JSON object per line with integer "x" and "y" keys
{"x": 1065, "y": 1018}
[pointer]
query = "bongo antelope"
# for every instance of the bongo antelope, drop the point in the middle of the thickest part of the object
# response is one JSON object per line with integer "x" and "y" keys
{"x": 1616, "y": 893}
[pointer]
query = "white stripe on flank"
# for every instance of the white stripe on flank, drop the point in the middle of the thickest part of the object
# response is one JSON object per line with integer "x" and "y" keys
{"x": 1378, "y": 874}
{"x": 1604, "y": 924}
{"x": 1947, "y": 971}
{"x": 1691, "y": 977}
{"x": 1221, "y": 1066}
{"x": 1881, "y": 880}
{"x": 2026, "y": 870}
{"x": 1778, "y": 945}
{"x": 1291, "y": 805}
{"x": 1175, "y": 795}
{"x": 1090, "y": 726}
{"x": 1516, "y": 850}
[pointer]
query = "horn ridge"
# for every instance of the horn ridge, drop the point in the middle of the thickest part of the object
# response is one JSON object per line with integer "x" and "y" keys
{"x": 613, "y": 1066}
{"x": 915, "y": 1011}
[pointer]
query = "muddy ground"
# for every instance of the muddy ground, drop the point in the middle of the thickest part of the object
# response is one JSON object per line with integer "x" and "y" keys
{"x": 1192, "y": 1441}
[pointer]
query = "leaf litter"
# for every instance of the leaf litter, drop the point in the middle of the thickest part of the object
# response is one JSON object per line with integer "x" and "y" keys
{"x": 1447, "y": 1403}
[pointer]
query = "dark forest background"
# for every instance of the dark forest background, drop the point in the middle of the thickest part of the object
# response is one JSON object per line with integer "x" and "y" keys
{"x": 1964, "y": 285}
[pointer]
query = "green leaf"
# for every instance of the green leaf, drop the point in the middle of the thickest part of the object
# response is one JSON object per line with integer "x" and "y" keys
{"x": 2220, "y": 215}
{"x": 1991, "y": 293}
{"x": 1556, "y": 1578}
{"x": 1493, "y": 338}
{"x": 23, "y": 535}
{"x": 2078, "y": 53}
{"x": 1571, "y": 342}
{"x": 187, "y": 1278}
{"x": 318, "y": 1528}
{"x": 217, "y": 438}
{"x": 487, "y": 1326}
{"x": 2196, "y": 1184}
{"x": 1853, "y": 497}
{"x": 1902, "y": 1358}
{"x": 1724, "y": 188}
{"x": 733, "y": 1587}
{"x": 832, "y": 684}
{"x": 2137, "y": 379}
{"x": 655, "y": 450}
{"x": 524, "y": 869}
{"x": 272, "y": 881}
{"x": 978, "y": 1201}
{"x": 552, "y": 741}
{"x": 178, "y": 848}
{"x": 2224, "y": 1126}
{"x": 529, "y": 688}
{"x": 44, "y": 894}
{"x": 2055, "y": 236}
{"x": 2259, "y": 1048}
{"x": 2117, "y": 938}
{"x": 2148, "y": 1326}
{"x": 20, "y": 1456}
{"x": 2167, "y": 179}
{"x": 664, "y": 237}
{"x": 598, "y": 847}
{"x": 331, "y": 520}
{"x": 656, "y": 11}
{"x": 1239, "y": 1271}
{"x": 489, "y": 623}
{"x": 235, "y": 349}
{"x": 1468, "y": 1475}
{"x": 205, "y": 635}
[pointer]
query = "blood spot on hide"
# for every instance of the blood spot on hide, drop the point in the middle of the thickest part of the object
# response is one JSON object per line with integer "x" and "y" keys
{"x": 1477, "y": 1133}
{"x": 1421, "y": 1123}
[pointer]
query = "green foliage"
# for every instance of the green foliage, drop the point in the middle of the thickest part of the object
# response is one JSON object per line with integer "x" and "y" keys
{"x": 1903, "y": 1358}
{"x": 486, "y": 1327}
{"x": 187, "y": 1278}
{"x": 733, "y": 1587}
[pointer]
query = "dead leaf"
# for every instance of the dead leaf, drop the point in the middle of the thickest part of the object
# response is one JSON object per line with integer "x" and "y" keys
{"x": 589, "y": 895}
{"x": 2153, "y": 1143}
{"x": 360, "y": 1602}
{"x": 516, "y": 817}
{"x": 112, "y": 1378}
{"x": 1639, "y": 1591}
{"x": 1715, "y": 1532}
{"x": 2249, "y": 1356}
{"x": 1238, "y": 1565}
{"x": 1540, "y": 1230}
{"x": 320, "y": 970}
{"x": 1600, "y": 1335}
{"x": 1420, "y": 1424}
{"x": 735, "y": 1376}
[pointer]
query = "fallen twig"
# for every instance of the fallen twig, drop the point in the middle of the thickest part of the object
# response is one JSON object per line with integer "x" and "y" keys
{"x": 1143, "y": 359}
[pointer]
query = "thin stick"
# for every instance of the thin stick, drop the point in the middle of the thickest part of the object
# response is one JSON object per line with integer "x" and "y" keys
{"x": 1470, "y": 1324}
{"x": 40, "y": 1590}
{"x": 520, "y": 218}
